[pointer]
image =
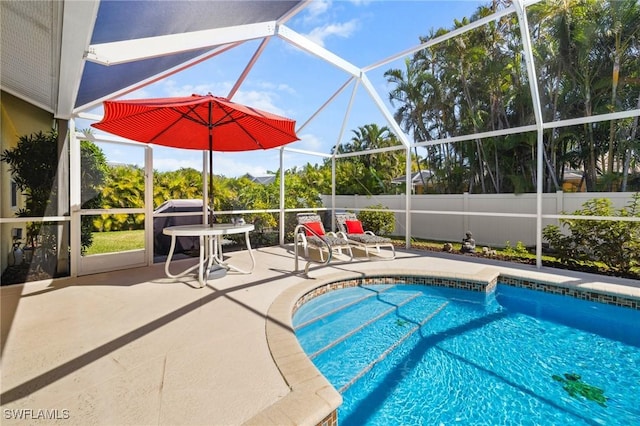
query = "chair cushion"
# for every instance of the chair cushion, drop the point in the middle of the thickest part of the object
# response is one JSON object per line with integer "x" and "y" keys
{"x": 369, "y": 239}
{"x": 354, "y": 227}
{"x": 315, "y": 227}
{"x": 332, "y": 241}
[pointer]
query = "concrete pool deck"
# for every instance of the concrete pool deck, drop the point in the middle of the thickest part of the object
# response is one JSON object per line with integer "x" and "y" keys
{"x": 133, "y": 347}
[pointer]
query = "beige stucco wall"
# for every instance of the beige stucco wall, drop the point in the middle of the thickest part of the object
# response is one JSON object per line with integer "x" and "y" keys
{"x": 17, "y": 118}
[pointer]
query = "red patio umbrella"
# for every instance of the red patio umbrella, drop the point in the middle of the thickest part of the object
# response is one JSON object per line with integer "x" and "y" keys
{"x": 197, "y": 122}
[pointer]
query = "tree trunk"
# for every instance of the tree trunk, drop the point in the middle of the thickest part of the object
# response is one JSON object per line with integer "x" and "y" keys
{"x": 628, "y": 152}
{"x": 591, "y": 174}
{"x": 614, "y": 90}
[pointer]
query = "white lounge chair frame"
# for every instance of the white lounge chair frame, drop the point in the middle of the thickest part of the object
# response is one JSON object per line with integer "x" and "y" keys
{"x": 330, "y": 240}
{"x": 366, "y": 241}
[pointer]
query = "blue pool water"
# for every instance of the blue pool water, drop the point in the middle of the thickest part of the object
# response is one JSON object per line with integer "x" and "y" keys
{"x": 411, "y": 355}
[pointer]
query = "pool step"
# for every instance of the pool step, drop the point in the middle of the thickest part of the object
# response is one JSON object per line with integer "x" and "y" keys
{"x": 366, "y": 324}
{"x": 341, "y": 307}
{"x": 391, "y": 348}
{"x": 326, "y": 332}
{"x": 368, "y": 337}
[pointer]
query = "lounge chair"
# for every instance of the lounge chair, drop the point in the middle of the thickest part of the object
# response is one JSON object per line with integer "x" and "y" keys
{"x": 350, "y": 228}
{"x": 310, "y": 232}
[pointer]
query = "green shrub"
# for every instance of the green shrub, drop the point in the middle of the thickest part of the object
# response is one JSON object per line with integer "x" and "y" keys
{"x": 616, "y": 244}
{"x": 519, "y": 250}
{"x": 33, "y": 164}
{"x": 378, "y": 222}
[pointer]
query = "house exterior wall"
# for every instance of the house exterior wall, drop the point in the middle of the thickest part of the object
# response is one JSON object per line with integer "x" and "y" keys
{"x": 495, "y": 231}
{"x": 17, "y": 118}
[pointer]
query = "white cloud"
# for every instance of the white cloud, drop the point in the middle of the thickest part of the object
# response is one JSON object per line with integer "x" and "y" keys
{"x": 258, "y": 99}
{"x": 218, "y": 89}
{"x": 344, "y": 30}
{"x": 316, "y": 8}
{"x": 137, "y": 94}
{"x": 283, "y": 87}
{"x": 257, "y": 163}
{"x": 263, "y": 98}
{"x": 223, "y": 164}
{"x": 171, "y": 163}
{"x": 229, "y": 164}
{"x": 311, "y": 142}
{"x": 230, "y": 167}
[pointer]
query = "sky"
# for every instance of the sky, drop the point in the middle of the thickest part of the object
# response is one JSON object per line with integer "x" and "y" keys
{"x": 295, "y": 84}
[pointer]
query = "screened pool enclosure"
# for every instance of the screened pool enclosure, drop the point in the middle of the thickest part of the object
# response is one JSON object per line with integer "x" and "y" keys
{"x": 492, "y": 99}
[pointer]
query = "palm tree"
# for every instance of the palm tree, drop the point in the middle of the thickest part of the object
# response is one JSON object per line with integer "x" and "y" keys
{"x": 183, "y": 183}
{"x": 372, "y": 172}
{"x": 624, "y": 29}
{"x": 412, "y": 88}
{"x": 124, "y": 188}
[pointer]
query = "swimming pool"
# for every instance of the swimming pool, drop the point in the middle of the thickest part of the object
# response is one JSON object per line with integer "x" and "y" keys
{"x": 413, "y": 354}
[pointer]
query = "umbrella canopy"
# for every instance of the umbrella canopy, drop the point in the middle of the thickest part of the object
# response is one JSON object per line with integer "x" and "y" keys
{"x": 187, "y": 122}
{"x": 197, "y": 122}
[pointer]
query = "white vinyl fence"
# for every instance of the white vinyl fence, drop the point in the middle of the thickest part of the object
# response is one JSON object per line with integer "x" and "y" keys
{"x": 448, "y": 217}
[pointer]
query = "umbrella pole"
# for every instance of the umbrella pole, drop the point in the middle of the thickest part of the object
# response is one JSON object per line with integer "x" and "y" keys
{"x": 210, "y": 185}
{"x": 210, "y": 166}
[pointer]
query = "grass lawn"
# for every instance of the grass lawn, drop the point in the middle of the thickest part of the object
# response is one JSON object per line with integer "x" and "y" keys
{"x": 110, "y": 242}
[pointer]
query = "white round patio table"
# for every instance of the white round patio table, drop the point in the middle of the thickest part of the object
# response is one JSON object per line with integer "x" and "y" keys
{"x": 210, "y": 237}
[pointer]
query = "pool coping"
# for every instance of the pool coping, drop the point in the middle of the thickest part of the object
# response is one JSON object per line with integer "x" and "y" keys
{"x": 313, "y": 400}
